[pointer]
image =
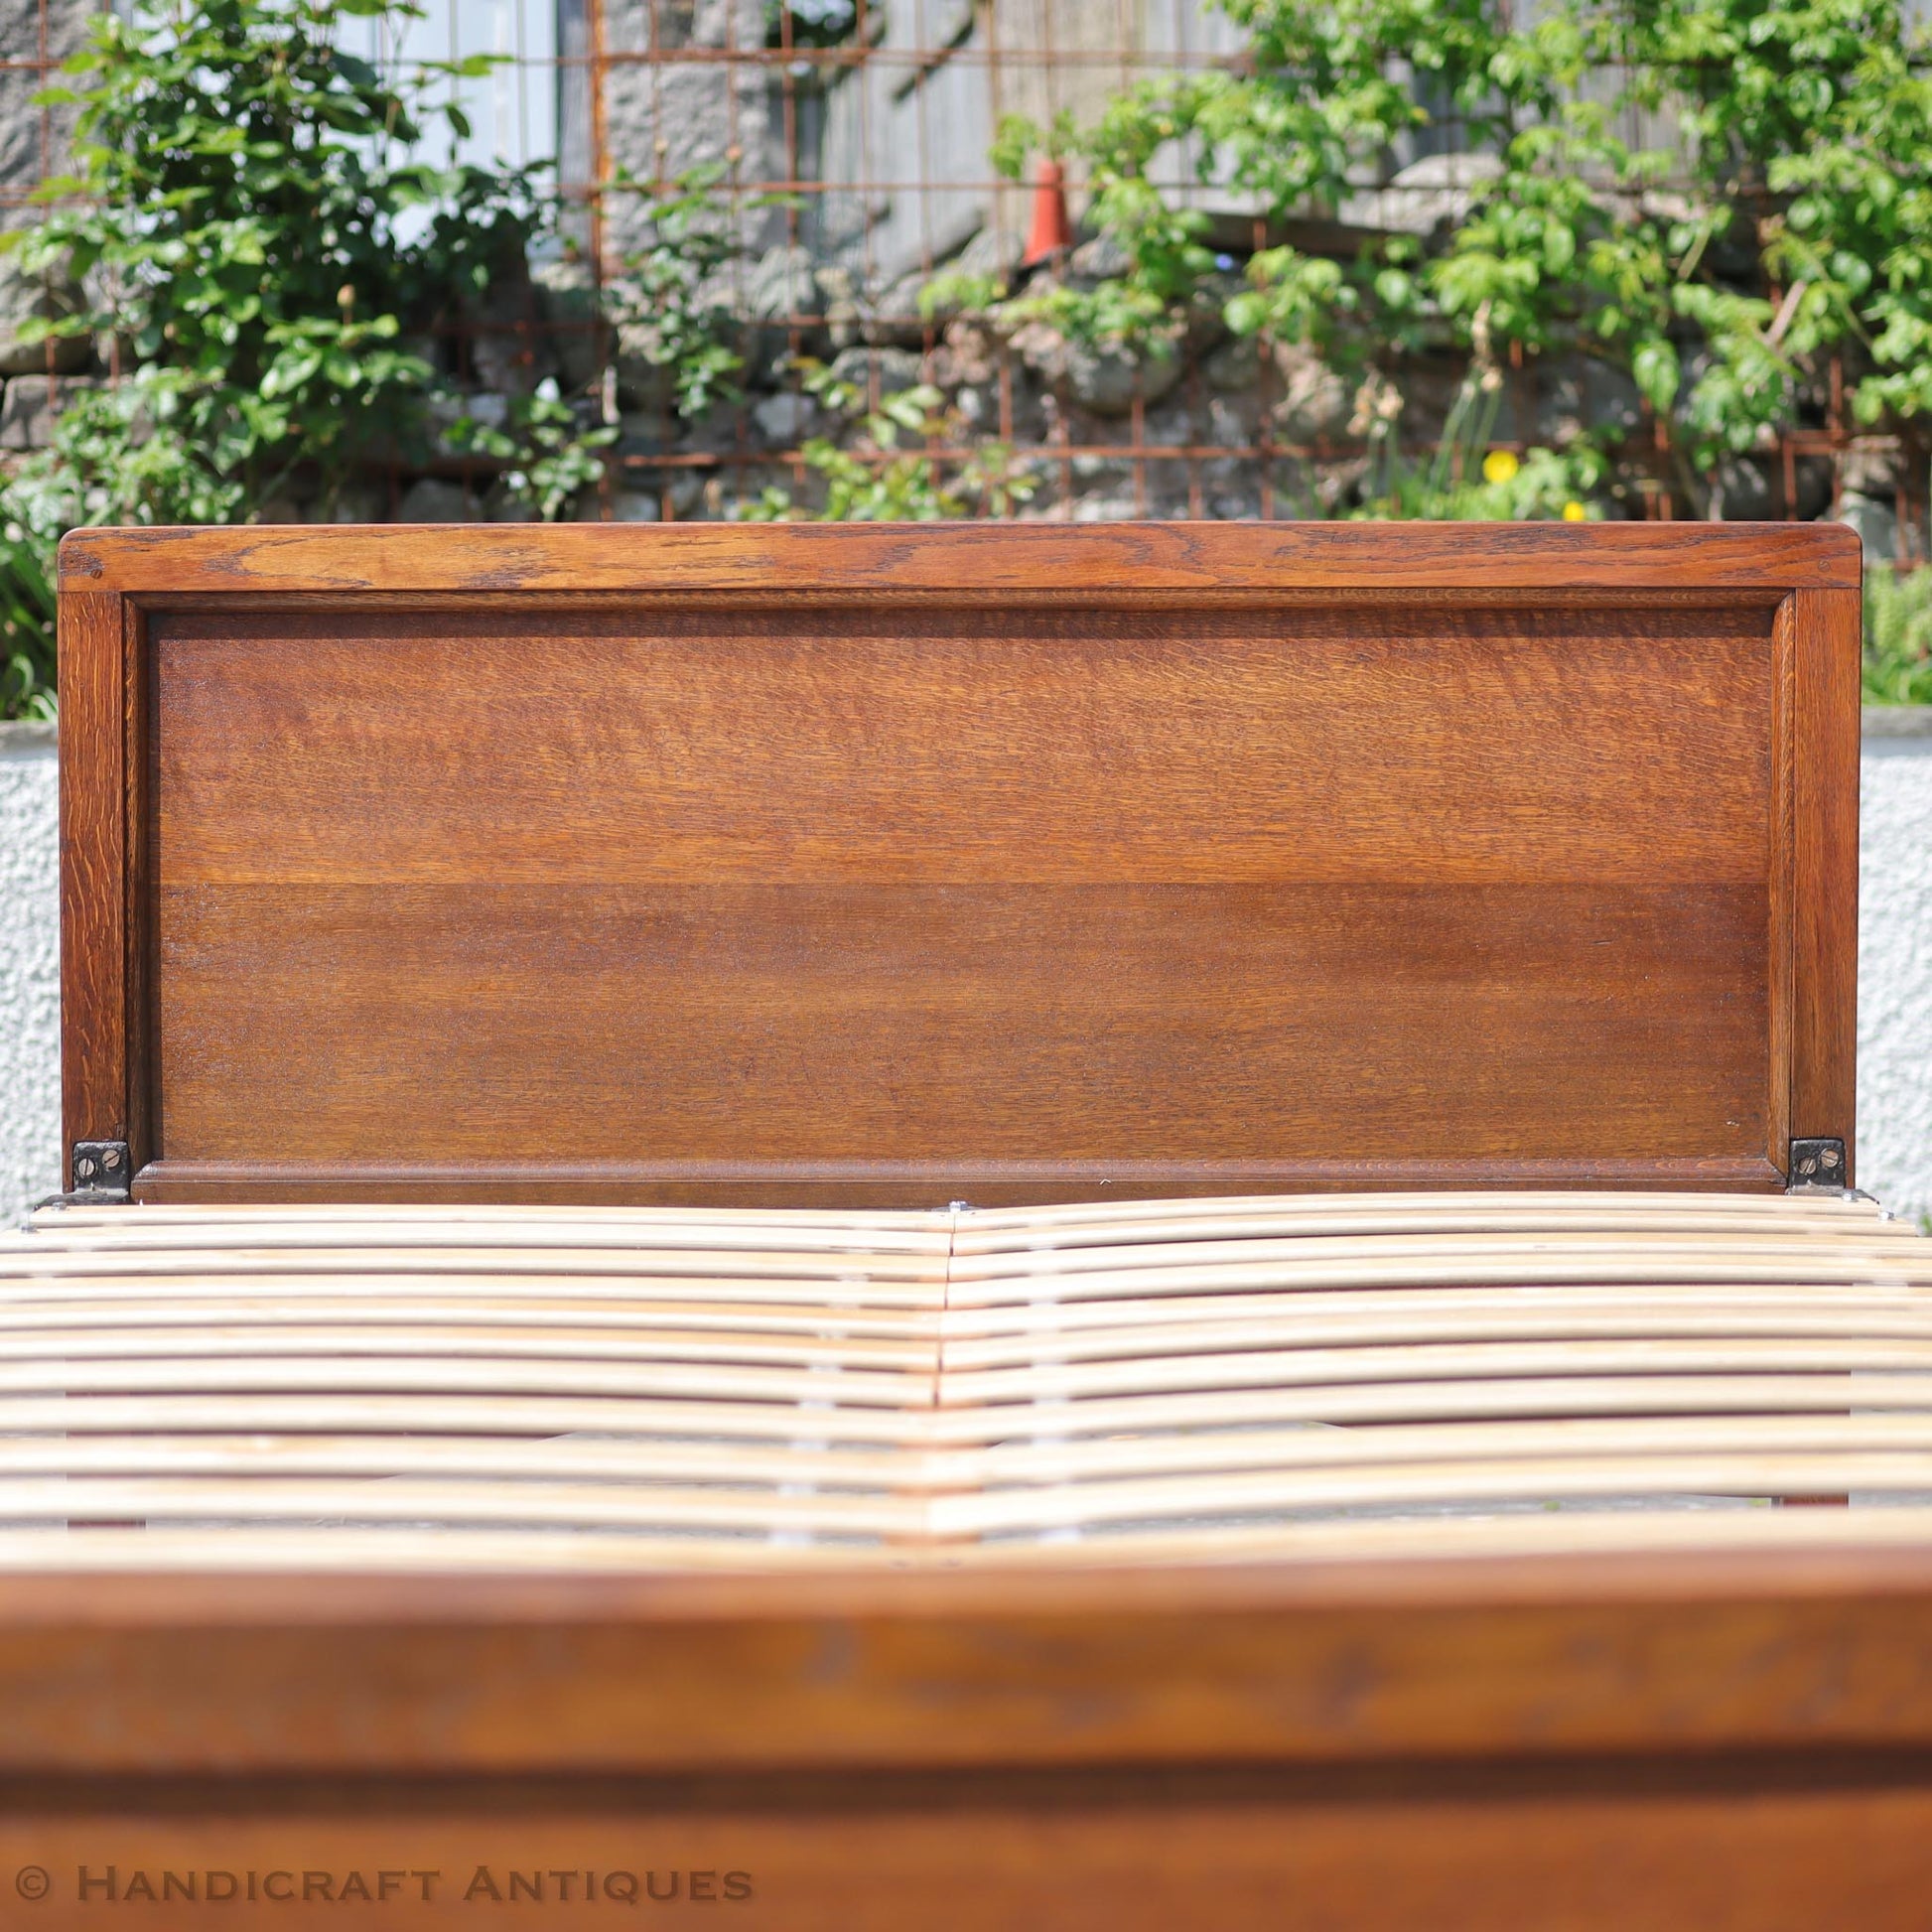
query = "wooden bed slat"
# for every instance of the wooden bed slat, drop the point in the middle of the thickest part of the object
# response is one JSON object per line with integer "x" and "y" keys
{"x": 933, "y": 1471}
{"x": 401, "y": 1548}
{"x": 840, "y": 1301}
{"x": 427, "y": 1500}
{"x": 721, "y": 1508}
{"x": 1218, "y": 1413}
{"x": 1451, "y": 1245}
{"x": 537, "y": 1343}
{"x": 405, "y": 1375}
{"x": 693, "y": 1264}
{"x": 694, "y": 1385}
{"x": 1019, "y": 1226}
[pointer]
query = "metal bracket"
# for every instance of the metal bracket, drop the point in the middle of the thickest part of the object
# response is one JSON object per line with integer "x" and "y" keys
{"x": 103, "y": 1172}
{"x": 1815, "y": 1166}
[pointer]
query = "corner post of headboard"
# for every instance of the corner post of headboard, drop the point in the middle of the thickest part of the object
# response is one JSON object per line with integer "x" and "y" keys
{"x": 100, "y": 728}
{"x": 1826, "y": 641}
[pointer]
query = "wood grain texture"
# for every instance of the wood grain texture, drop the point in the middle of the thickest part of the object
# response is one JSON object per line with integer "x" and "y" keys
{"x": 1337, "y": 1663}
{"x": 870, "y": 1186}
{"x": 948, "y": 891}
{"x": 139, "y": 842}
{"x": 754, "y": 742}
{"x": 704, "y": 1023}
{"x": 93, "y": 868}
{"x": 965, "y": 557}
{"x": 1782, "y": 877}
{"x": 1827, "y": 629}
{"x": 1656, "y": 1843}
{"x": 857, "y": 865}
{"x": 884, "y": 866}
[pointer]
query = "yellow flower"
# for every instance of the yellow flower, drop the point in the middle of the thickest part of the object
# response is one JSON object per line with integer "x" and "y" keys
{"x": 1499, "y": 467}
{"x": 1573, "y": 511}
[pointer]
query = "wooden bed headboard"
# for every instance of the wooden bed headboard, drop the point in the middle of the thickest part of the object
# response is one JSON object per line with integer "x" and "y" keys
{"x": 879, "y": 866}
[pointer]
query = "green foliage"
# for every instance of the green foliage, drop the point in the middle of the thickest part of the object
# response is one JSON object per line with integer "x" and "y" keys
{"x": 549, "y": 454}
{"x": 670, "y": 303}
{"x": 248, "y": 214}
{"x": 26, "y": 620}
{"x": 1793, "y": 222}
{"x": 952, "y": 290}
{"x": 266, "y": 262}
{"x": 1897, "y": 637}
{"x": 1111, "y": 315}
{"x": 1016, "y": 139}
{"x": 1464, "y": 476}
{"x": 877, "y": 477}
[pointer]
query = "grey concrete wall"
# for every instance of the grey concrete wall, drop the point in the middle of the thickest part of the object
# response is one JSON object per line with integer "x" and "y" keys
{"x": 1894, "y": 966}
{"x": 30, "y": 978}
{"x": 1895, "y": 960}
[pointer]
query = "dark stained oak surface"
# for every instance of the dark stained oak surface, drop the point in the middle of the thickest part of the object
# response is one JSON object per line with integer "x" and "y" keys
{"x": 918, "y": 882}
{"x": 1147, "y": 557}
{"x": 769, "y": 1023}
{"x": 888, "y": 864}
{"x": 802, "y": 743}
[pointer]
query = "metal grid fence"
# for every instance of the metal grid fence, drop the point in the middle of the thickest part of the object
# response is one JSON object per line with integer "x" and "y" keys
{"x": 850, "y": 139}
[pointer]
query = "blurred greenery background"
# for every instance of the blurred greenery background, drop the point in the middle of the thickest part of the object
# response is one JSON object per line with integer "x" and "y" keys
{"x": 264, "y": 271}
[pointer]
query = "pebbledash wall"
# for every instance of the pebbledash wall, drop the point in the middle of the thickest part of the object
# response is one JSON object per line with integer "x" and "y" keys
{"x": 1895, "y": 959}
{"x": 1894, "y": 965}
{"x": 30, "y": 975}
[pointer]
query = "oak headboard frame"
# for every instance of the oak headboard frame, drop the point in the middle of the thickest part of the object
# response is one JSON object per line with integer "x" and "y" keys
{"x": 167, "y": 637}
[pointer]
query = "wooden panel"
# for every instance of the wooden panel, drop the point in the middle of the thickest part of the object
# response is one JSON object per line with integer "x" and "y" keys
{"x": 858, "y": 1185}
{"x": 1535, "y": 557}
{"x": 94, "y": 873}
{"x": 939, "y": 892}
{"x": 1183, "y": 717}
{"x": 137, "y": 891}
{"x": 1654, "y": 1842}
{"x": 779, "y": 1025}
{"x": 803, "y": 742}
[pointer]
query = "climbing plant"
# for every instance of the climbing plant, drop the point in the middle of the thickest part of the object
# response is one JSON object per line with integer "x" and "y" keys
{"x": 1789, "y": 220}
{"x": 28, "y": 534}
{"x": 267, "y": 253}
{"x": 1898, "y": 637}
{"x": 888, "y": 471}
{"x": 267, "y": 265}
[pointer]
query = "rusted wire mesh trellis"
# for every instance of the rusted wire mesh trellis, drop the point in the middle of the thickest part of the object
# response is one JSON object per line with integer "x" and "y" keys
{"x": 868, "y": 122}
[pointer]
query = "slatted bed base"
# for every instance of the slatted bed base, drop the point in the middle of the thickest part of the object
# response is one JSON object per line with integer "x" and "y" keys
{"x": 1287, "y": 1378}
{"x": 1331, "y": 1561}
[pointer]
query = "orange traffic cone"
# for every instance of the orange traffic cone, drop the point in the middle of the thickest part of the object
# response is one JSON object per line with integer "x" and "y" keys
{"x": 1051, "y": 230}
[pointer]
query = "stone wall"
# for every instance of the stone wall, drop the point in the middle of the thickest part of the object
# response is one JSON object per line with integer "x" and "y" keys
{"x": 895, "y": 134}
{"x": 33, "y": 147}
{"x": 33, "y": 140}
{"x": 1894, "y": 966}
{"x": 665, "y": 117}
